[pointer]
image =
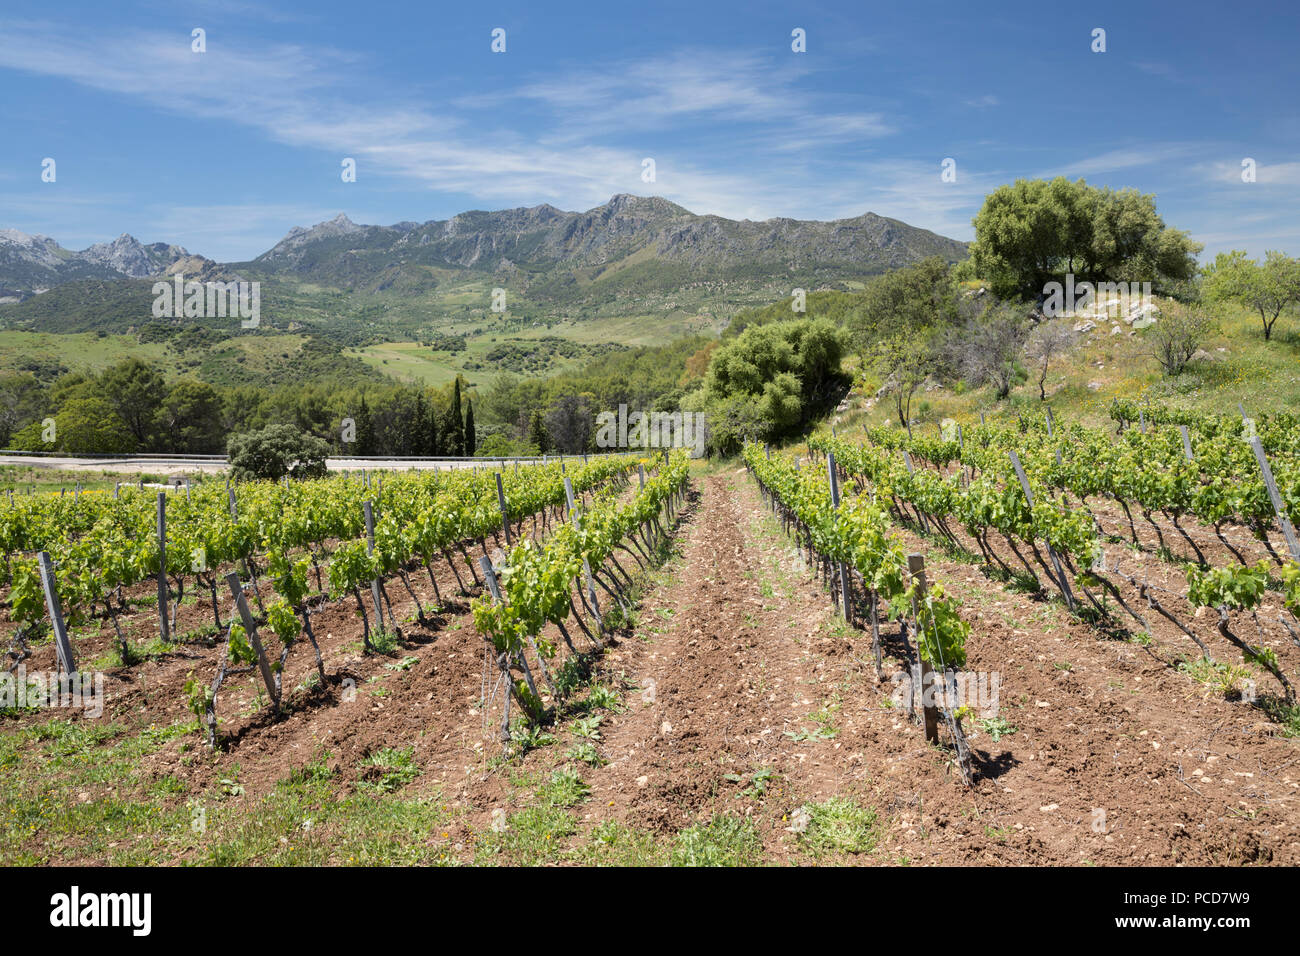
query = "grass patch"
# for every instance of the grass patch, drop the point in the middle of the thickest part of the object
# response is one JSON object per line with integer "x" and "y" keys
{"x": 531, "y": 837}
{"x": 614, "y": 844}
{"x": 724, "y": 840}
{"x": 389, "y": 769}
{"x": 586, "y": 752}
{"x": 840, "y": 826}
{"x": 566, "y": 788}
{"x": 1224, "y": 677}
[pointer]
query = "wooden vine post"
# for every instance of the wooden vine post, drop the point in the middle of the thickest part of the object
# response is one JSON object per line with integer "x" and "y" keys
{"x": 369, "y": 510}
{"x": 925, "y": 525}
{"x": 1288, "y": 531}
{"x": 63, "y": 646}
{"x": 568, "y": 496}
{"x": 1187, "y": 442}
{"x": 490, "y": 576}
{"x": 930, "y": 711}
{"x": 846, "y": 597}
{"x": 250, "y": 627}
{"x": 164, "y": 626}
{"x": 505, "y": 515}
{"x": 1061, "y": 581}
{"x": 591, "y": 594}
{"x": 503, "y": 659}
{"x": 234, "y": 517}
{"x": 588, "y": 580}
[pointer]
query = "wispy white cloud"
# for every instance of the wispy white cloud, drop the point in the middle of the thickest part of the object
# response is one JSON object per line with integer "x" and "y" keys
{"x": 1126, "y": 158}
{"x": 683, "y": 84}
{"x": 661, "y": 93}
{"x": 292, "y": 94}
{"x": 1266, "y": 174}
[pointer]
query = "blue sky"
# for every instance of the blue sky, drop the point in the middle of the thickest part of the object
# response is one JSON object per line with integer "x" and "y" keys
{"x": 224, "y": 151}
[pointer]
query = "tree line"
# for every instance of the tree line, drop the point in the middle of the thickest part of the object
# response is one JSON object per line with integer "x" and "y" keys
{"x": 130, "y": 407}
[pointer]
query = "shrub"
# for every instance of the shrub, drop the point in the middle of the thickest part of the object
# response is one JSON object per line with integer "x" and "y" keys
{"x": 1177, "y": 335}
{"x": 276, "y": 451}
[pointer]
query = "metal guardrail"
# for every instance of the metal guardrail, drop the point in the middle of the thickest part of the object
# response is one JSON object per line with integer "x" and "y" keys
{"x": 121, "y": 456}
{"x": 222, "y": 459}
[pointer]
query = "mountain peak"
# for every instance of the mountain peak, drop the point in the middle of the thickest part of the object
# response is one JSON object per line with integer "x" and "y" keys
{"x": 16, "y": 237}
{"x": 622, "y": 202}
{"x": 340, "y": 225}
{"x": 32, "y": 263}
{"x": 128, "y": 256}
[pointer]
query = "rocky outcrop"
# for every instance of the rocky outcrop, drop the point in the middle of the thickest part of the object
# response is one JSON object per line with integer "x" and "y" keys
{"x": 30, "y": 264}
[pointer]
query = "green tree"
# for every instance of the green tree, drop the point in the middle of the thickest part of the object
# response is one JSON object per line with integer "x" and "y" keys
{"x": 1268, "y": 288}
{"x": 276, "y": 451}
{"x": 537, "y": 434}
{"x": 136, "y": 392}
{"x": 771, "y": 380}
{"x": 1177, "y": 335}
{"x": 365, "y": 433}
{"x": 453, "y": 428}
{"x": 1034, "y": 231}
{"x": 191, "y": 418}
{"x": 917, "y": 296}
{"x": 418, "y": 426}
{"x": 90, "y": 425}
{"x": 471, "y": 439}
{"x": 570, "y": 423}
{"x": 903, "y": 362}
{"x": 434, "y": 439}
{"x": 986, "y": 349}
{"x": 21, "y": 400}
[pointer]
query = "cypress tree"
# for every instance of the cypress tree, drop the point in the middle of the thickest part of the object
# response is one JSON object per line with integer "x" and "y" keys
{"x": 537, "y": 434}
{"x": 454, "y": 427}
{"x": 471, "y": 440}
{"x": 365, "y": 443}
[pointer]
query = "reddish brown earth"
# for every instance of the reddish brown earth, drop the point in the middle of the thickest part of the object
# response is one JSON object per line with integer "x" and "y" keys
{"x": 1116, "y": 757}
{"x": 1101, "y": 725}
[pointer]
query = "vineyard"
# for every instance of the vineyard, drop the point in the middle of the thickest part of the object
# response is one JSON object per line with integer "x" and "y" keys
{"x": 1029, "y": 487}
{"x": 1018, "y": 641}
{"x": 91, "y": 550}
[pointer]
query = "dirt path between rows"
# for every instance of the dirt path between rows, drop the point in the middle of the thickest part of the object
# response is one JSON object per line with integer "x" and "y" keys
{"x": 729, "y": 661}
